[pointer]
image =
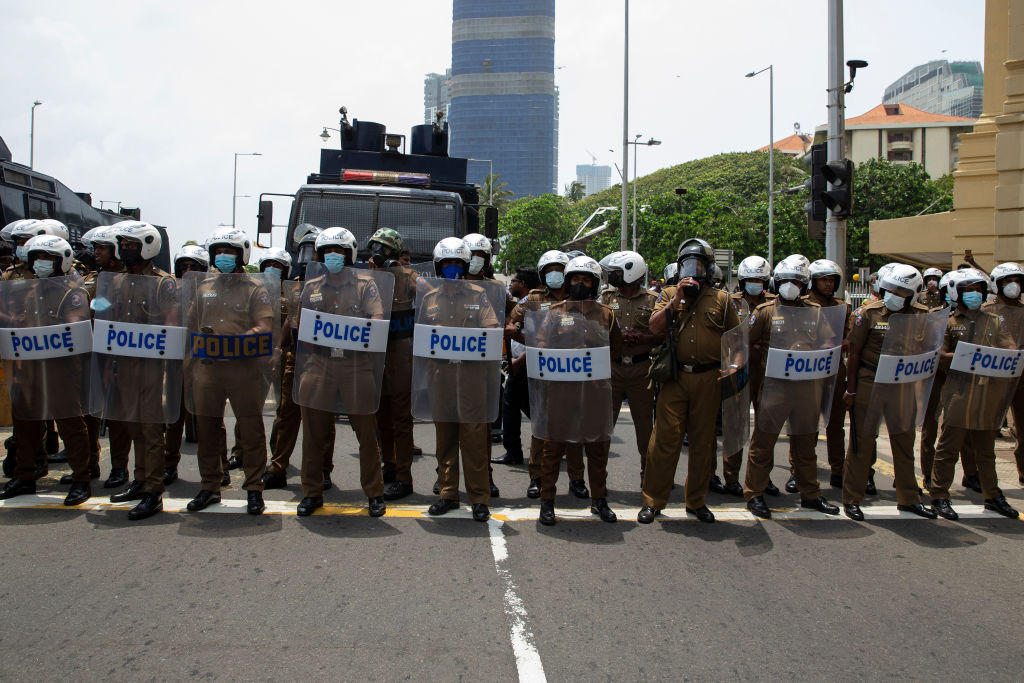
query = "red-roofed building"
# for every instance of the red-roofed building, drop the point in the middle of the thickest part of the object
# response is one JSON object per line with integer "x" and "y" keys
{"x": 794, "y": 146}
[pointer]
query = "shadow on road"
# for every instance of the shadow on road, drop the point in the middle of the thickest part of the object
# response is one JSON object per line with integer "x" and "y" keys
{"x": 590, "y": 533}
{"x": 937, "y": 534}
{"x": 750, "y": 538}
{"x": 457, "y": 528}
{"x": 347, "y": 526}
{"x": 826, "y": 530}
{"x": 214, "y": 525}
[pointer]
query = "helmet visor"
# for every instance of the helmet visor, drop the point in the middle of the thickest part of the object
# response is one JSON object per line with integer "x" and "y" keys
{"x": 693, "y": 267}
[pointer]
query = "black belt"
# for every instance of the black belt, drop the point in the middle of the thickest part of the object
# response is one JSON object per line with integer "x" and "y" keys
{"x": 869, "y": 366}
{"x": 697, "y": 369}
{"x": 630, "y": 360}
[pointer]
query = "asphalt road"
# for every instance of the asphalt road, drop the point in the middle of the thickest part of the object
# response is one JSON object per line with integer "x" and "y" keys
{"x": 340, "y": 596}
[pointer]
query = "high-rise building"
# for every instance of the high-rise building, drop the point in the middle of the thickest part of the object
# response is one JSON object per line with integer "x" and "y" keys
{"x": 436, "y": 94}
{"x": 940, "y": 87}
{"x": 503, "y": 100}
{"x": 594, "y": 178}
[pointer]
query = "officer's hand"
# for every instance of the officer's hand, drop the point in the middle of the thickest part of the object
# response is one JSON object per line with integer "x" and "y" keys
{"x": 848, "y": 399}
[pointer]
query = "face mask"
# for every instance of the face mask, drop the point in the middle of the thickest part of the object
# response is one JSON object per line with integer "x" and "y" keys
{"x": 334, "y": 263}
{"x": 452, "y": 271}
{"x": 893, "y": 302}
{"x": 789, "y": 291}
{"x": 579, "y": 291}
{"x": 554, "y": 279}
{"x": 225, "y": 262}
{"x": 753, "y": 288}
{"x": 972, "y": 300}
{"x": 382, "y": 256}
{"x": 476, "y": 264}
{"x": 875, "y": 286}
{"x": 43, "y": 268}
{"x": 273, "y": 272}
{"x": 21, "y": 252}
{"x": 1011, "y": 290}
{"x": 615, "y": 279}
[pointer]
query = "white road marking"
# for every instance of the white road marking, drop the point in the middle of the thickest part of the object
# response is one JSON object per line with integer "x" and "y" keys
{"x": 527, "y": 658}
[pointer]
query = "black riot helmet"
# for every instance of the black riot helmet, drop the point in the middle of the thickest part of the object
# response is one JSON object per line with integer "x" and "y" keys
{"x": 695, "y": 258}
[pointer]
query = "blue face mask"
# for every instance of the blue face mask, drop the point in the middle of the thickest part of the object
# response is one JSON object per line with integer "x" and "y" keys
{"x": 554, "y": 279}
{"x": 21, "y": 252}
{"x": 452, "y": 271}
{"x": 43, "y": 268}
{"x": 273, "y": 272}
{"x": 753, "y": 288}
{"x": 334, "y": 263}
{"x": 225, "y": 262}
{"x": 972, "y": 300}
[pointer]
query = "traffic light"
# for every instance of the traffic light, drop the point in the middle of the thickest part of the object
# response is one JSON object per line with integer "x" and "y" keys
{"x": 815, "y": 208}
{"x": 839, "y": 198}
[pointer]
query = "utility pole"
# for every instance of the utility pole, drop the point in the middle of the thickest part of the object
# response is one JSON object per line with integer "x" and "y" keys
{"x": 835, "y": 228}
{"x": 625, "y": 133}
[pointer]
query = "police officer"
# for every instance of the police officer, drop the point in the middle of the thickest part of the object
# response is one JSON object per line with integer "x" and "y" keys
{"x": 469, "y": 306}
{"x": 1007, "y": 283}
{"x": 898, "y": 286}
{"x": 583, "y": 277}
{"x": 551, "y": 269}
{"x": 972, "y": 324}
{"x": 515, "y": 401}
{"x": 791, "y": 278}
{"x": 46, "y": 256}
{"x": 753, "y": 274}
{"x": 930, "y": 296}
{"x": 696, "y": 315}
{"x": 341, "y": 293}
{"x": 215, "y": 381}
{"x": 632, "y": 305}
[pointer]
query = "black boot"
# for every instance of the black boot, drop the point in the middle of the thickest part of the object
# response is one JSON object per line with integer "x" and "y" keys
{"x": 547, "y": 512}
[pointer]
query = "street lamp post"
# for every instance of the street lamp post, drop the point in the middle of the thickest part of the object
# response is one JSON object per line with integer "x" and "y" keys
{"x": 771, "y": 159}
{"x": 32, "y": 137}
{"x": 625, "y": 127}
{"x": 490, "y": 174}
{"x": 234, "y": 182}
{"x": 636, "y": 143}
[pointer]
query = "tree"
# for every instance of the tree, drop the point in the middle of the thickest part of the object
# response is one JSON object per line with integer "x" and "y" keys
{"x": 575, "y": 191}
{"x": 495, "y": 193}
{"x": 531, "y": 226}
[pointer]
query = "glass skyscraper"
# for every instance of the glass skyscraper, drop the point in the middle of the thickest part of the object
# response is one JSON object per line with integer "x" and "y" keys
{"x": 503, "y": 90}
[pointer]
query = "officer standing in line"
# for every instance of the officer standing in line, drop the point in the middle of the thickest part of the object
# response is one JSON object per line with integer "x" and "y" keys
{"x": 632, "y": 305}
{"x": 215, "y": 381}
{"x": 930, "y": 296}
{"x": 934, "y": 298}
{"x": 1008, "y": 282}
{"x": 753, "y": 274}
{"x": 583, "y": 278}
{"x": 898, "y": 285}
{"x": 324, "y": 375}
{"x": 394, "y": 417}
{"x": 698, "y": 315}
{"x": 791, "y": 279}
{"x": 551, "y": 269}
{"x": 516, "y": 400}
{"x": 971, "y": 406}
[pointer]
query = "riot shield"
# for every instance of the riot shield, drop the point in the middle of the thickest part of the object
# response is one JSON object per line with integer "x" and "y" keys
{"x": 568, "y": 365}
{"x": 906, "y": 372}
{"x": 800, "y": 373}
{"x": 138, "y": 348}
{"x": 233, "y": 324}
{"x": 46, "y": 344}
{"x": 457, "y": 341}
{"x": 342, "y": 339}
{"x": 981, "y": 381}
{"x": 736, "y": 384}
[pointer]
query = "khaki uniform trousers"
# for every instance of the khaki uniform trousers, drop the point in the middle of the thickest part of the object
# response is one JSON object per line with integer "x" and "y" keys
{"x": 597, "y": 466}
{"x": 761, "y": 460}
{"x": 394, "y": 417}
{"x": 287, "y": 422}
{"x": 119, "y": 436}
{"x": 471, "y": 440}
{"x": 318, "y": 440}
{"x": 687, "y": 406}
{"x": 858, "y": 462}
{"x": 731, "y": 462}
{"x": 631, "y": 382}
{"x": 149, "y": 455}
{"x": 173, "y": 435}
{"x": 573, "y": 459}
{"x": 930, "y": 427}
{"x": 73, "y": 432}
{"x": 1017, "y": 409}
{"x": 92, "y": 423}
{"x": 835, "y": 428}
{"x": 953, "y": 441}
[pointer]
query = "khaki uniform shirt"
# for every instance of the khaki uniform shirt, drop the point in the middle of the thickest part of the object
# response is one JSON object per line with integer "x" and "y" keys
{"x": 699, "y": 323}
{"x": 537, "y": 300}
{"x": 231, "y": 305}
{"x": 19, "y": 271}
{"x": 931, "y": 300}
{"x": 867, "y": 332}
{"x": 594, "y": 311}
{"x": 764, "y": 319}
{"x": 1011, "y": 315}
{"x": 352, "y": 296}
{"x": 633, "y": 314}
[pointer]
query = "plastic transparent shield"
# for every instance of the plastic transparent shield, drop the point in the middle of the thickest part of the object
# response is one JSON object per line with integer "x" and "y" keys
{"x": 138, "y": 347}
{"x": 342, "y": 339}
{"x": 226, "y": 359}
{"x": 570, "y": 399}
{"x": 906, "y": 372}
{"x": 802, "y": 337}
{"x": 46, "y": 342}
{"x": 736, "y": 383}
{"x": 456, "y": 370}
{"x": 1012, "y": 318}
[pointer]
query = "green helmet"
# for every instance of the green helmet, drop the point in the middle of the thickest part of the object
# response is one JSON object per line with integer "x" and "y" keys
{"x": 389, "y": 237}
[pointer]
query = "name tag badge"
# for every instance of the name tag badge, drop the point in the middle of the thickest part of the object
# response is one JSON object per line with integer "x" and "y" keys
{"x": 139, "y": 341}
{"x": 568, "y": 365}
{"x": 343, "y": 332}
{"x": 985, "y": 360}
{"x": 457, "y": 343}
{"x": 802, "y": 365}
{"x": 48, "y": 341}
{"x": 906, "y": 369}
{"x": 231, "y": 346}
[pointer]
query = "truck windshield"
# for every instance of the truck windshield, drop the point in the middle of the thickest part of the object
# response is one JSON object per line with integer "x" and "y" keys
{"x": 422, "y": 223}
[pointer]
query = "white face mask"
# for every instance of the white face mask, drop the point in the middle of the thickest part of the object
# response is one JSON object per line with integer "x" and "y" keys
{"x": 894, "y": 302}
{"x": 476, "y": 264}
{"x": 789, "y": 291}
{"x": 1011, "y": 290}
{"x": 43, "y": 268}
{"x": 21, "y": 252}
{"x": 754, "y": 288}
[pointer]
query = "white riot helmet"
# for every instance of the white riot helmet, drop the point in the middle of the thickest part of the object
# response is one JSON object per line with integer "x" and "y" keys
{"x": 961, "y": 279}
{"x": 1002, "y": 271}
{"x": 474, "y": 241}
{"x": 825, "y": 268}
{"x": 880, "y": 274}
{"x": 901, "y": 279}
{"x": 192, "y": 252}
{"x": 56, "y": 228}
{"x": 754, "y": 268}
{"x": 607, "y": 259}
{"x": 28, "y": 228}
{"x": 339, "y": 237}
{"x": 586, "y": 266}
{"x": 143, "y": 233}
{"x": 801, "y": 258}
{"x": 632, "y": 265}
{"x": 932, "y": 272}
{"x": 230, "y": 237}
{"x": 101, "y": 234}
{"x": 7, "y": 233}
{"x": 450, "y": 248}
{"x": 54, "y": 246}
{"x": 280, "y": 256}
{"x": 791, "y": 277}
{"x": 549, "y": 258}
